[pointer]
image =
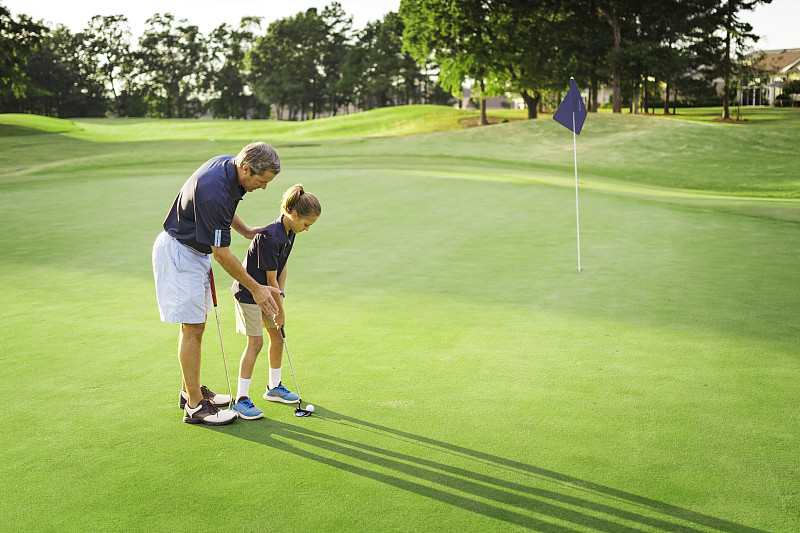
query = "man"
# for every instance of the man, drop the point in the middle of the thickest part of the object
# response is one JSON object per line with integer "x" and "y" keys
{"x": 199, "y": 224}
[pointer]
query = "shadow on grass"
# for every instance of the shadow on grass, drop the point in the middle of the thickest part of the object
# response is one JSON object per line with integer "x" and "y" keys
{"x": 13, "y": 130}
{"x": 522, "y": 504}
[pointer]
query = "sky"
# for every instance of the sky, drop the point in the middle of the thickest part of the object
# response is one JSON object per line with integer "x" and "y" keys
{"x": 776, "y": 23}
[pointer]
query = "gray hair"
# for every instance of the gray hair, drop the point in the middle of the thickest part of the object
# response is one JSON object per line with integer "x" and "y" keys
{"x": 260, "y": 157}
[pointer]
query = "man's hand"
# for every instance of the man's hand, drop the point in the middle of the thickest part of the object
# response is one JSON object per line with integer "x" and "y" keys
{"x": 262, "y": 294}
{"x": 243, "y": 229}
{"x": 255, "y": 231}
{"x": 263, "y": 297}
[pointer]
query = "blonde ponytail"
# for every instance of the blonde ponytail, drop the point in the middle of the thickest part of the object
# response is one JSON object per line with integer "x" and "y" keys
{"x": 298, "y": 200}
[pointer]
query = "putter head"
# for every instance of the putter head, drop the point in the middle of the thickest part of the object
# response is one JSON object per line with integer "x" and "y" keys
{"x": 300, "y": 411}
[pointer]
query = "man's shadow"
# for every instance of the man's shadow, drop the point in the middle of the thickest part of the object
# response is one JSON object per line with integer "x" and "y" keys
{"x": 600, "y": 508}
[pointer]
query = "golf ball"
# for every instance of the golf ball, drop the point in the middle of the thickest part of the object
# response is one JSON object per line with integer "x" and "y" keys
{"x": 310, "y": 408}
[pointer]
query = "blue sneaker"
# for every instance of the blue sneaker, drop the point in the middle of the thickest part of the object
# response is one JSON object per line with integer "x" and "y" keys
{"x": 244, "y": 406}
{"x": 281, "y": 394}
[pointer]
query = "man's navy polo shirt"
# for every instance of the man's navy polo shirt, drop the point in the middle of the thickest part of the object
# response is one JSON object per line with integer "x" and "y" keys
{"x": 269, "y": 250}
{"x": 203, "y": 211}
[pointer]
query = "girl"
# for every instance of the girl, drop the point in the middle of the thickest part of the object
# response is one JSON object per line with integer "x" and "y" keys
{"x": 266, "y": 262}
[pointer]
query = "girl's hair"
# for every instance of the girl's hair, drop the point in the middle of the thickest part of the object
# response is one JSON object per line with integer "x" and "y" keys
{"x": 260, "y": 157}
{"x": 303, "y": 203}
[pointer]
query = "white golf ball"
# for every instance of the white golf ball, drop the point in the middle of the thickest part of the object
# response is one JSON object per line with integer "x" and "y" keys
{"x": 310, "y": 408}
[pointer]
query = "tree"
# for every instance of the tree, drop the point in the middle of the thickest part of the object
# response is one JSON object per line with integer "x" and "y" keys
{"x": 791, "y": 87}
{"x": 652, "y": 41}
{"x": 228, "y": 77}
{"x": 377, "y": 72}
{"x": 172, "y": 60}
{"x": 286, "y": 63}
{"x": 394, "y": 75}
{"x": 18, "y": 40}
{"x": 335, "y": 48}
{"x": 613, "y": 12}
{"x": 108, "y": 41}
{"x": 507, "y": 45}
{"x": 63, "y": 78}
{"x": 736, "y": 36}
{"x": 681, "y": 29}
{"x": 457, "y": 35}
{"x": 298, "y": 64}
{"x": 361, "y": 81}
{"x": 531, "y": 43}
{"x": 582, "y": 46}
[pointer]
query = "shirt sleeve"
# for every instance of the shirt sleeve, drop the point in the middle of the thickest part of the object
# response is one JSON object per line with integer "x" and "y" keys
{"x": 268, "y": 252}
{"x": 213, "y": 223}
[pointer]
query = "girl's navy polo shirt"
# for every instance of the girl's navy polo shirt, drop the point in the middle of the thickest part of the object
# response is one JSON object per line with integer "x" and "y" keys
{"x": 269, "y": 250}
{"x": 202, "y": 213}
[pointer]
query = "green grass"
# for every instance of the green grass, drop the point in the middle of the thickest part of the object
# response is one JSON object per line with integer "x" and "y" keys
{"x": 16, "y": 124}
{"x": 379, "y": 122}
{"x": 769, "y": 116}
{"x": 466, "y": 376}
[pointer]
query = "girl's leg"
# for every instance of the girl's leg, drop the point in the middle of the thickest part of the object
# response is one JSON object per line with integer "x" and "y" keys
{"x": 275, "y": 356}
{"x": 248, "y": 363}
{"x": 276, "y": 393}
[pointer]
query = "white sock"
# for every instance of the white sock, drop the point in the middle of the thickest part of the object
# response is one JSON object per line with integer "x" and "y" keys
{"x": 244, "y": 388}
{"x": 274, "y": 377}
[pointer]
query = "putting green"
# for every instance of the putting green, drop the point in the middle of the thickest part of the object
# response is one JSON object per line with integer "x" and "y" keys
{"x": 465, "y": 375}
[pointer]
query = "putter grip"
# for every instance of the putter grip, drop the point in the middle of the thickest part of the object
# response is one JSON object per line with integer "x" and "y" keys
{"x": 282, "y": 333}
{"x": 213, "y": 289}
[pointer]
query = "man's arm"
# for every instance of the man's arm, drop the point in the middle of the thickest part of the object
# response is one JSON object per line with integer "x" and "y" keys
{"x": 243, "y": 229}
{"x": 261, "y": 293}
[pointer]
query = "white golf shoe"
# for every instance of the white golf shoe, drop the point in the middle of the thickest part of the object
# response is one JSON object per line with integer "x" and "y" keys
{"x": 219, "y": 400}
{"x": 207, "y": 413}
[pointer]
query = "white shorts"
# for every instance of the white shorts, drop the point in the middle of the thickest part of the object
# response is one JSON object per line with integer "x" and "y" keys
{"x": 183, "y": 289}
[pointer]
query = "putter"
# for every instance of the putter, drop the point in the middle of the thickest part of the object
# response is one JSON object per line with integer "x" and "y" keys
{"x": 219, "y": 329}
{"x": 299, "y": 411}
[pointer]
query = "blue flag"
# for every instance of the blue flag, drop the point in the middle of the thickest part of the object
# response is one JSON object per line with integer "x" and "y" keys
{"x": 572, "y": 103}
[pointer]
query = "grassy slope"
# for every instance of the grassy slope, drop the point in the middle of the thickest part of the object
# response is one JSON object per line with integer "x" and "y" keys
{"x": 379, "y": 122}
{"x": 653, "y": 391}
{"x": 742, "y": 160}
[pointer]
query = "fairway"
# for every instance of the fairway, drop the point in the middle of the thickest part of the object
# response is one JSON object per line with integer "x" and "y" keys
{"x": 466, "y": 376}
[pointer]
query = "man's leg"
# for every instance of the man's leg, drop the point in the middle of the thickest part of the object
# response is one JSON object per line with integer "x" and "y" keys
{"x": 191, "y": 336}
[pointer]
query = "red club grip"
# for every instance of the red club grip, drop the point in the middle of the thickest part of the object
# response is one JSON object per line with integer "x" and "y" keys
{"x": 213, "y": 289}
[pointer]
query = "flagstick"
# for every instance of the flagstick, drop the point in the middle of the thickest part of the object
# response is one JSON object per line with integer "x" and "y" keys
{"x": 577, "y": 216}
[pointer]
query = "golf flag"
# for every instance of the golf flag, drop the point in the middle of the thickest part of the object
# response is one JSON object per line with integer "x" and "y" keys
{"x": 572, "y": 104}
{"x": 571, "y": 114}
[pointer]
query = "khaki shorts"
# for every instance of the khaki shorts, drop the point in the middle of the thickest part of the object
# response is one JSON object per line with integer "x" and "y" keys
{"x": 250, "y": 320}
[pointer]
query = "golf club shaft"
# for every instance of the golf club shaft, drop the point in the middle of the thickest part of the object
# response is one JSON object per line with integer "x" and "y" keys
{"x": 289, "y": 356}
{"x": 219, "y": 329}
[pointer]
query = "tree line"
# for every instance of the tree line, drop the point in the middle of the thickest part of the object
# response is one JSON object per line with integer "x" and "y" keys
{"x": 533, "y": 47}
{"x": 303, "y": 66}
{"x": 314, "y": 63}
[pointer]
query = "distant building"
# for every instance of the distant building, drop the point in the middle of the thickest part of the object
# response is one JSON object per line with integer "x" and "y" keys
{"x": 780, "y": 66}
{"x": 493, "y": 102}
{"x": 515, "y": 101}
